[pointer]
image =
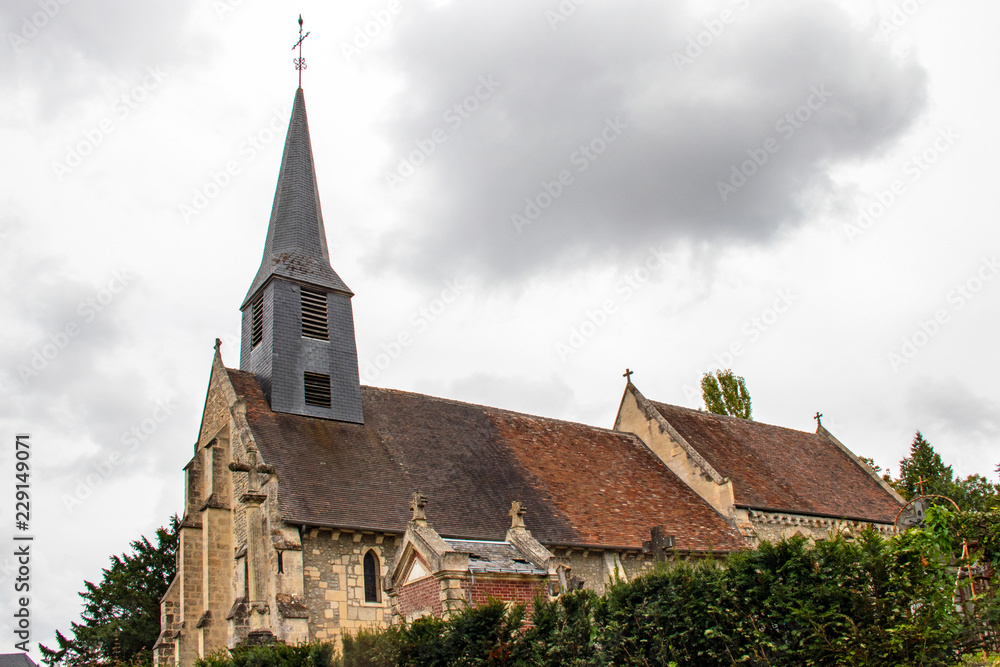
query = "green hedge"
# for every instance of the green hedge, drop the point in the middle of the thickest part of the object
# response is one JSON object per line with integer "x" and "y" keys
{"x": 864, "y": 601}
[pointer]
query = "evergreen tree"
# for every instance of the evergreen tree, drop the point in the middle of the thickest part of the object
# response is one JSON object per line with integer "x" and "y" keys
{"x": 121, "y": 614}
{"x": 924, "y": 464}
{"x": 726, "y": 394}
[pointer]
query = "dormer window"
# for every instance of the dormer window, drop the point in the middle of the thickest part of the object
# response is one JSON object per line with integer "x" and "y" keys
{"x": 314, "y": 315}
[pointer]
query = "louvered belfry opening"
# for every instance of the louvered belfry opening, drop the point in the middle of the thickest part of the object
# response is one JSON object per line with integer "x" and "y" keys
{"x": 314, "y": 315}
{"x": 318, "y": 390}
{"x": 297, "y": 314}
{"x": 257, "y": 321}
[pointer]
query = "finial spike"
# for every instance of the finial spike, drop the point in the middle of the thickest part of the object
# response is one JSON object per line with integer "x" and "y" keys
{"x": 300, "y": 62}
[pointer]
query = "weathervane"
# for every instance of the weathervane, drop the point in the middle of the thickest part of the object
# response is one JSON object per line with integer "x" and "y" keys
{"x": 300, "y": 62}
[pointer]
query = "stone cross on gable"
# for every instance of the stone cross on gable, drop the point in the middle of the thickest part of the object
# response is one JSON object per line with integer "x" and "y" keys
{"x": 517, "y": 511}
{"x": 417, "y": 505}
{"x": 659, "y": 543}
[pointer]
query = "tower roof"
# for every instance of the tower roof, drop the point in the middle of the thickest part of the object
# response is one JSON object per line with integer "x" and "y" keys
{"x": 296, "y": 239}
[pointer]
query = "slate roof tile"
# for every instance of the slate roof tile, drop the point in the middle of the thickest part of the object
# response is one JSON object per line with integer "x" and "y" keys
{"x": 581, "y": 484}
{"x": 782, "y": 469}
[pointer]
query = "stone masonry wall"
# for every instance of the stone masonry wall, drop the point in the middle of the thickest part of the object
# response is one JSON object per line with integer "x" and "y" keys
{"x": 775, "y": 526}
{"x": 333, "y": 569}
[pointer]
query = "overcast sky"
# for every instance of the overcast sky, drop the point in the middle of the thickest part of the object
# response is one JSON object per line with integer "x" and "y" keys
{"x": 531, "y": 196}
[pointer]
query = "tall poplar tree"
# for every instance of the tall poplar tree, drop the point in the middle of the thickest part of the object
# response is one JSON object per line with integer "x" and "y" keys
{"x": 726, "y": 394}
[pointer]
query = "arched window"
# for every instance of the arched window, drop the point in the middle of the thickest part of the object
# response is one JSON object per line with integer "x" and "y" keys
{"x": 371, "y": 577}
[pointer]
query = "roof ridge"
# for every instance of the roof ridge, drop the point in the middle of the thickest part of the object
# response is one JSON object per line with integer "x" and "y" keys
{"x": 455, "y": 401}
{"x": 709, "y": 414}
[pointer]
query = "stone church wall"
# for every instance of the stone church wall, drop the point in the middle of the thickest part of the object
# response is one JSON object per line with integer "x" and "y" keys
{"x": 333, "y": 573}
{"x": 775, "y": 526}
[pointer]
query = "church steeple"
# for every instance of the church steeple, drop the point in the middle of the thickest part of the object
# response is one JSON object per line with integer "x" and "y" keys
{"x": 298, "y": 324}
{"x": 296, "y": 238}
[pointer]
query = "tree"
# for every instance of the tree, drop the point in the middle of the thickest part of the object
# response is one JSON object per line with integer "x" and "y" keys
{"x": 726, "y": 394}
{"x": 975, "y": 493}
{"x": 923, "y": 469}
{"x": 121, "y": 614}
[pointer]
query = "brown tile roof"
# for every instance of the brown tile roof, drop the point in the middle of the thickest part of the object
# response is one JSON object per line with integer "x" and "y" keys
{"x": 581, "y": 484}
{"x": 779, "y": 468}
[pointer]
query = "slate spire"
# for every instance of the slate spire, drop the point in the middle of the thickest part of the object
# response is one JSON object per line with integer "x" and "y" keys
{"x": 296, "y": 238}
{"x": 298, "y": 323}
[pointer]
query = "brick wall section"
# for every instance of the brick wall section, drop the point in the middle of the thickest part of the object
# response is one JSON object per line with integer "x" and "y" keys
{"x": 420, "y": 598}
{"x": 517, "y": 590}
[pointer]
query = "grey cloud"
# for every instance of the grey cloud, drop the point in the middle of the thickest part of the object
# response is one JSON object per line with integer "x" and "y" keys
{"x": 684, "y": 128}
{"x": 69, "y": 50}
{"x": 961, "y": 424}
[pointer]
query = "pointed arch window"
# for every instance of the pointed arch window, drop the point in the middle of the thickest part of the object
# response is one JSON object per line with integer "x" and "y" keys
{"x": 371, "y": 577}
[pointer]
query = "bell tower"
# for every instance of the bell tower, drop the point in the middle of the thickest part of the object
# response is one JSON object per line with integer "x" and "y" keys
{"x": 298, "y": 323}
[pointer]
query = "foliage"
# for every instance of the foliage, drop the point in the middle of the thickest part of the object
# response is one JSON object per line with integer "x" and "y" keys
{"x": 487, "y": 634}
{"x": 726, "y": 394}
{"x": 121, "y": 614}
{"x": 272, "y": 655}
{"x": 975, "y": 493}
{"x": 563, "y": 630}
{"x": 860, "y": 600}
{"x": 925, "y": 469}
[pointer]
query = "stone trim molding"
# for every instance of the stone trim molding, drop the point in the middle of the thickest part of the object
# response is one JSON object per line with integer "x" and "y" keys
{"x": 815, "y": 522}
{"x": 653, "y": 415}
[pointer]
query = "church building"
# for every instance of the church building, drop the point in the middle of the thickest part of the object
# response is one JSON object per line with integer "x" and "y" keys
{"x": 315, "y": 506}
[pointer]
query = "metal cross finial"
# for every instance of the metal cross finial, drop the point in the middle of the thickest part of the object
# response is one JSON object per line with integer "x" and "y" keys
{"x": 300, "y": 62}
{"x": 818, "y": 418}
{"x": 920, "y": 483}
{"x": 628, "y": 375}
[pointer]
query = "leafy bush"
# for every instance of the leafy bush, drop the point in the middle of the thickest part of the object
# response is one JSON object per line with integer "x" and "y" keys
{"x": 859, "y": 600}
{"x": 273, "y": 655}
